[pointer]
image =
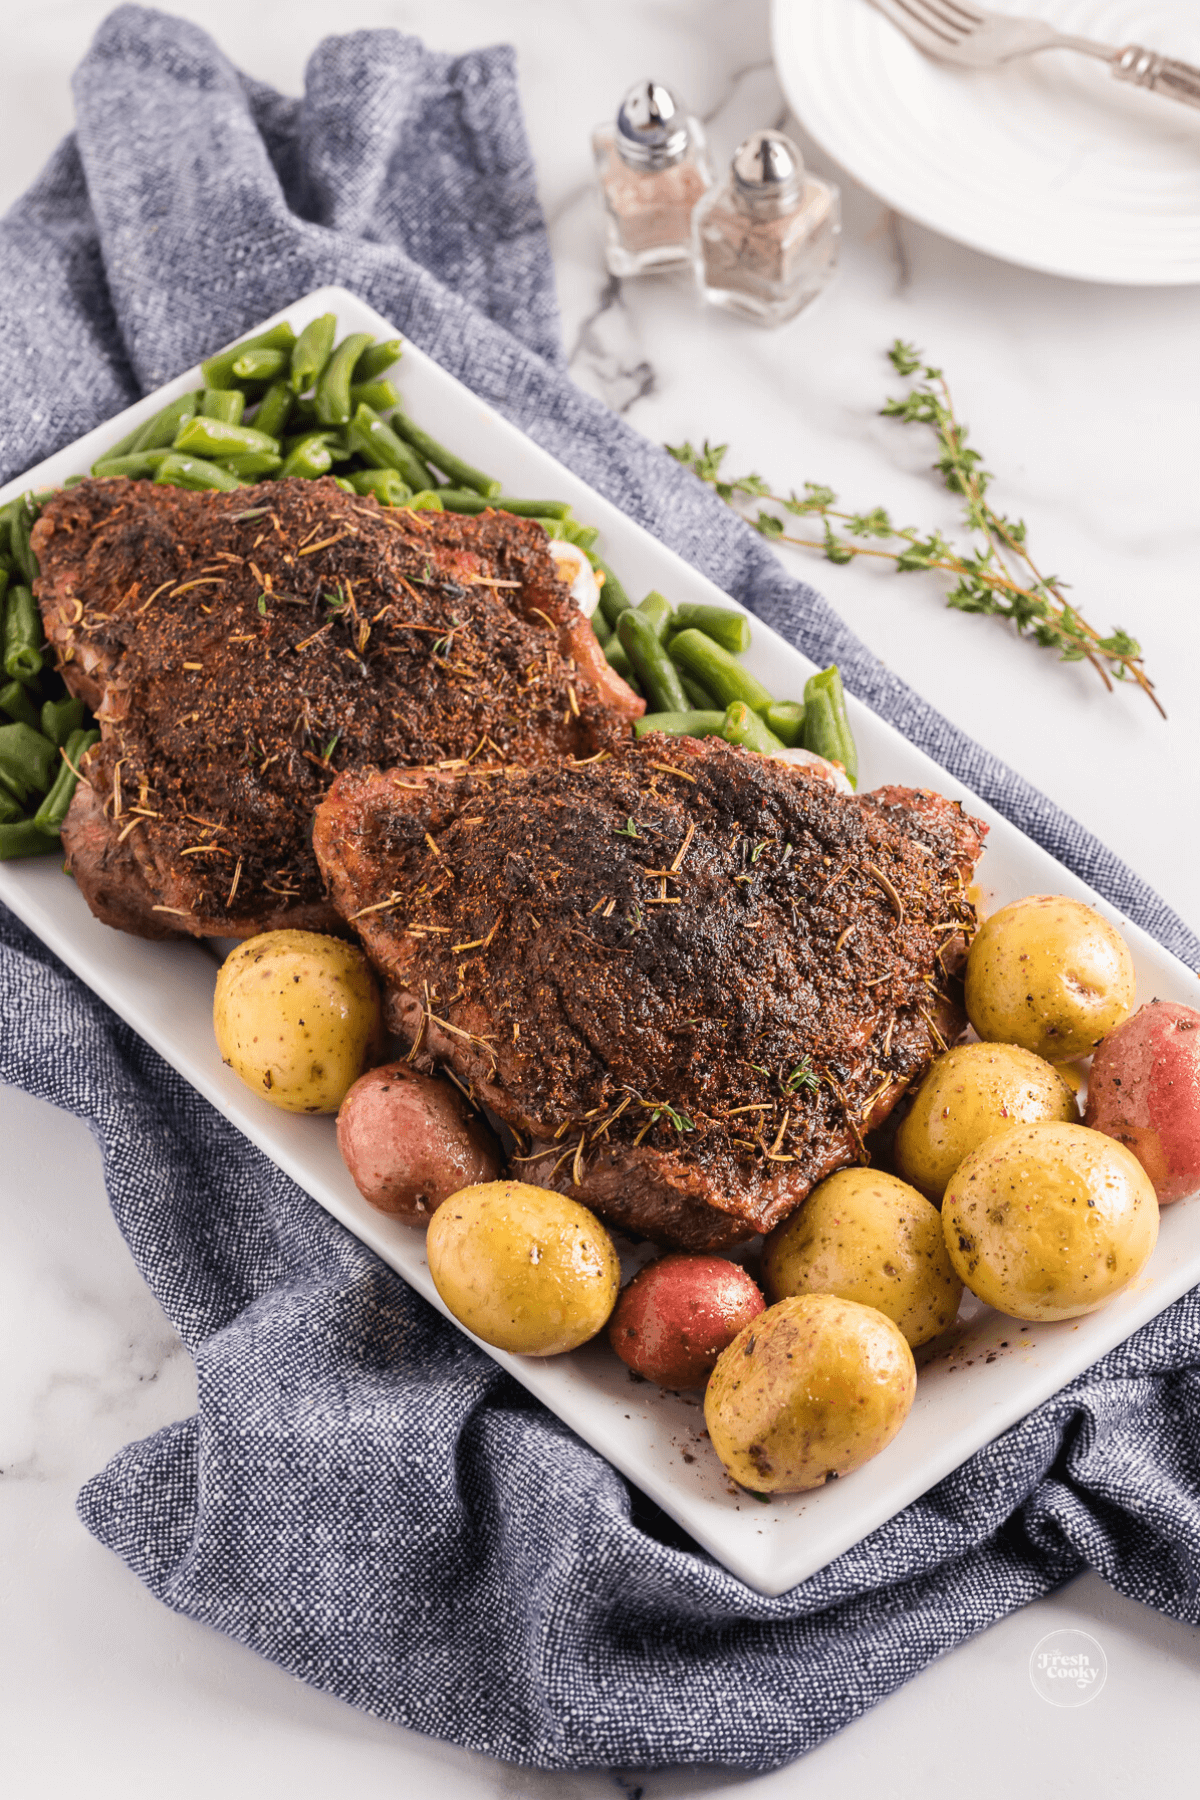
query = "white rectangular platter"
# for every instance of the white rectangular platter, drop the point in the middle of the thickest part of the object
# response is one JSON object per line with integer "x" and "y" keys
{"x": 987, "y": 1373}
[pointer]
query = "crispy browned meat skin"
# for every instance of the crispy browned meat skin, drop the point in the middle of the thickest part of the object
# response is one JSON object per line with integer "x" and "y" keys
{"x": 242, "y": 648}
{"x": 689, "y": 1026}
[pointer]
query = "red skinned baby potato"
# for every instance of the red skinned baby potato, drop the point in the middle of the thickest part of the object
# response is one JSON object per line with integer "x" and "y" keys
{"x": 677, "y": 1315}
{"x": 1144, "y": 1090}
{"x": 410, "y": 1140}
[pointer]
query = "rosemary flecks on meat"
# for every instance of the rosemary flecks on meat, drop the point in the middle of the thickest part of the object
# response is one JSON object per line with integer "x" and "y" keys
{"x": 937, "y": 1036}
{"x": 994, "y": 575}
{"x": 889, "y": 890}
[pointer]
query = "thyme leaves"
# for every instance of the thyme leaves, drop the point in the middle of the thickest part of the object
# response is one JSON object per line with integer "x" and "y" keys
{"x": 993, "y": 574}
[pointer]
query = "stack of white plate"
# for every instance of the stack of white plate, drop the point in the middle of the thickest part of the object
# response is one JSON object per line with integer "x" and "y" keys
{"x": 1046, "y": 161}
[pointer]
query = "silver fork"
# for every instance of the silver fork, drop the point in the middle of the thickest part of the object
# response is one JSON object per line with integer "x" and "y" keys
{"x": 958, "y": 31}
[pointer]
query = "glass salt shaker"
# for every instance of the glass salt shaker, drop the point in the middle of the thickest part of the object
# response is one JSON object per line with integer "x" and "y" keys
{"x": 652, "y": 167}
{"x": 765, "y": 240}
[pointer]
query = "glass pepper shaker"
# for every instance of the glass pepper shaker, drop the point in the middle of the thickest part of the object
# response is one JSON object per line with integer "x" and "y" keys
{"x": 765, "y": 240}
{"x": 653, "y": 167}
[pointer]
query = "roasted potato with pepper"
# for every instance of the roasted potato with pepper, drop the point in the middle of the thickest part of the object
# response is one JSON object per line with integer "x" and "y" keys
{"x": 524, "y": 1268}
{"x": 1049, "y": 974}
{"x": 1049, "y": 1221}
{"x": 297, "y": 1016}
{"x": 968, "y": 1095}
{"x": 813, "y": 1387}
{"x": 865, "y": 1236}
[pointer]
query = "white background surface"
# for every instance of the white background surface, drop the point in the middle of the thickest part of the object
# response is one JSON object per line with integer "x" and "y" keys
{"x": 1085, "y": 403}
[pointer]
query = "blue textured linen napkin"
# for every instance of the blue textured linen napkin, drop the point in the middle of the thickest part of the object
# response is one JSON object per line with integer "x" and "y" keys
{"x": 363, "y": 1497}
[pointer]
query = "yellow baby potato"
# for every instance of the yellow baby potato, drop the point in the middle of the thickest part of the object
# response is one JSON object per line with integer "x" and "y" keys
{"x": 297, "y": 1016}
{"x": 1049, "y": 974}
{"x": 813, "y": 1387}
{"x": 1049, "y": 1221}
{"x": 969, "y": 1094}
{"x": 867, "y": 1237}
{"x": 524, "y": 1268}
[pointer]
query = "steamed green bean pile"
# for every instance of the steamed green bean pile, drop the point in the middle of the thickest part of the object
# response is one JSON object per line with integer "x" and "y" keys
{"x": 281, "y": 405}
{"x": 684, "y": 661}
{"x": 43, "y": 732}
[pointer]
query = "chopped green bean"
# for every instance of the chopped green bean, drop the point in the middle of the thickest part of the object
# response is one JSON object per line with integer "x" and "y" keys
{"x": 726, "y": 626}
{"x": 22, "y": 638}
{"x": 575, "y": 533}
{"x": 261, "y": 365}
{"x": 226, "y": 404}
{"x": 311, "y": 352}
{"x": 743, "y": 726}
{"x": 332, "y": 396}
{"x": 617, "y": 658}
{"x": 829, "y": 682}
{"x": 15, "y": 701}
{"x": 377, "y": 358}
{"x": 658, "y": 609}
{"x": 197, "y": 473}
{"x": 697, "y": 693}
{"x": 308, "y": 459}
{"x": 273, "y": 409}
{"x": 59, "y": 719}
{"x": 53, "y": 810}
{"x": 821, "y": 734}
{"x": 461, "y": 473}
{"x": 24, "y": 839}
{"x": 724, "y": 677}
{"x": 466, "y": 500}
{"x": 786, "y": 719}
{"x": 218, "y": 370}
{"x": 681, "y": 724}
{"x": 653, "y": 667}
{"x": 136, "y": 464}
{"x": 27, "y": 760}
{"x": 378, "y": 445}
{"x": 250, "y": 466}
{"x": 529, "y": 509}
{"x": 27, "y": 511}
{"x": 613, "y": 598}
{"x": 385, "y": 484}
{"x": 158, "y": 433}
{"x": 426, "y": 500}
{"x": 124, "y": 445}
{"x": 213, "y": 437}
{"x": 380, "y": 396}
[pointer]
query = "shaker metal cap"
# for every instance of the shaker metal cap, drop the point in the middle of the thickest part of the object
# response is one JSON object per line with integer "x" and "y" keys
{"x": 652, "y": 129}
{"x": 768, "y": 171}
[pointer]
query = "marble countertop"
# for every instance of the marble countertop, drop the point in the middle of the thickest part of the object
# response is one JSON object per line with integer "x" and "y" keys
{"x": 1084, "y": 400}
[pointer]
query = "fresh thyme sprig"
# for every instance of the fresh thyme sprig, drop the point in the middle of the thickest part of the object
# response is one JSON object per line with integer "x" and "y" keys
{"x": 995, "y": 575}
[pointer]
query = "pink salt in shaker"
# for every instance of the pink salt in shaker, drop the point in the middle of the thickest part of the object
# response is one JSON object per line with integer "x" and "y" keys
{"x": 765, "y": 241}
{"x": 652, "y": 167}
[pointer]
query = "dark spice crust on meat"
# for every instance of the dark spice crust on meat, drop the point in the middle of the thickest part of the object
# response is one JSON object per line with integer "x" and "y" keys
{"x": 242, "y": 648}
{"x": 689, "y": 978}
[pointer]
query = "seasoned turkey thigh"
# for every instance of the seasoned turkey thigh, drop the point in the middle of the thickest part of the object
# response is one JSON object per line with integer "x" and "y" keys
{"x": 688, "y": 978}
